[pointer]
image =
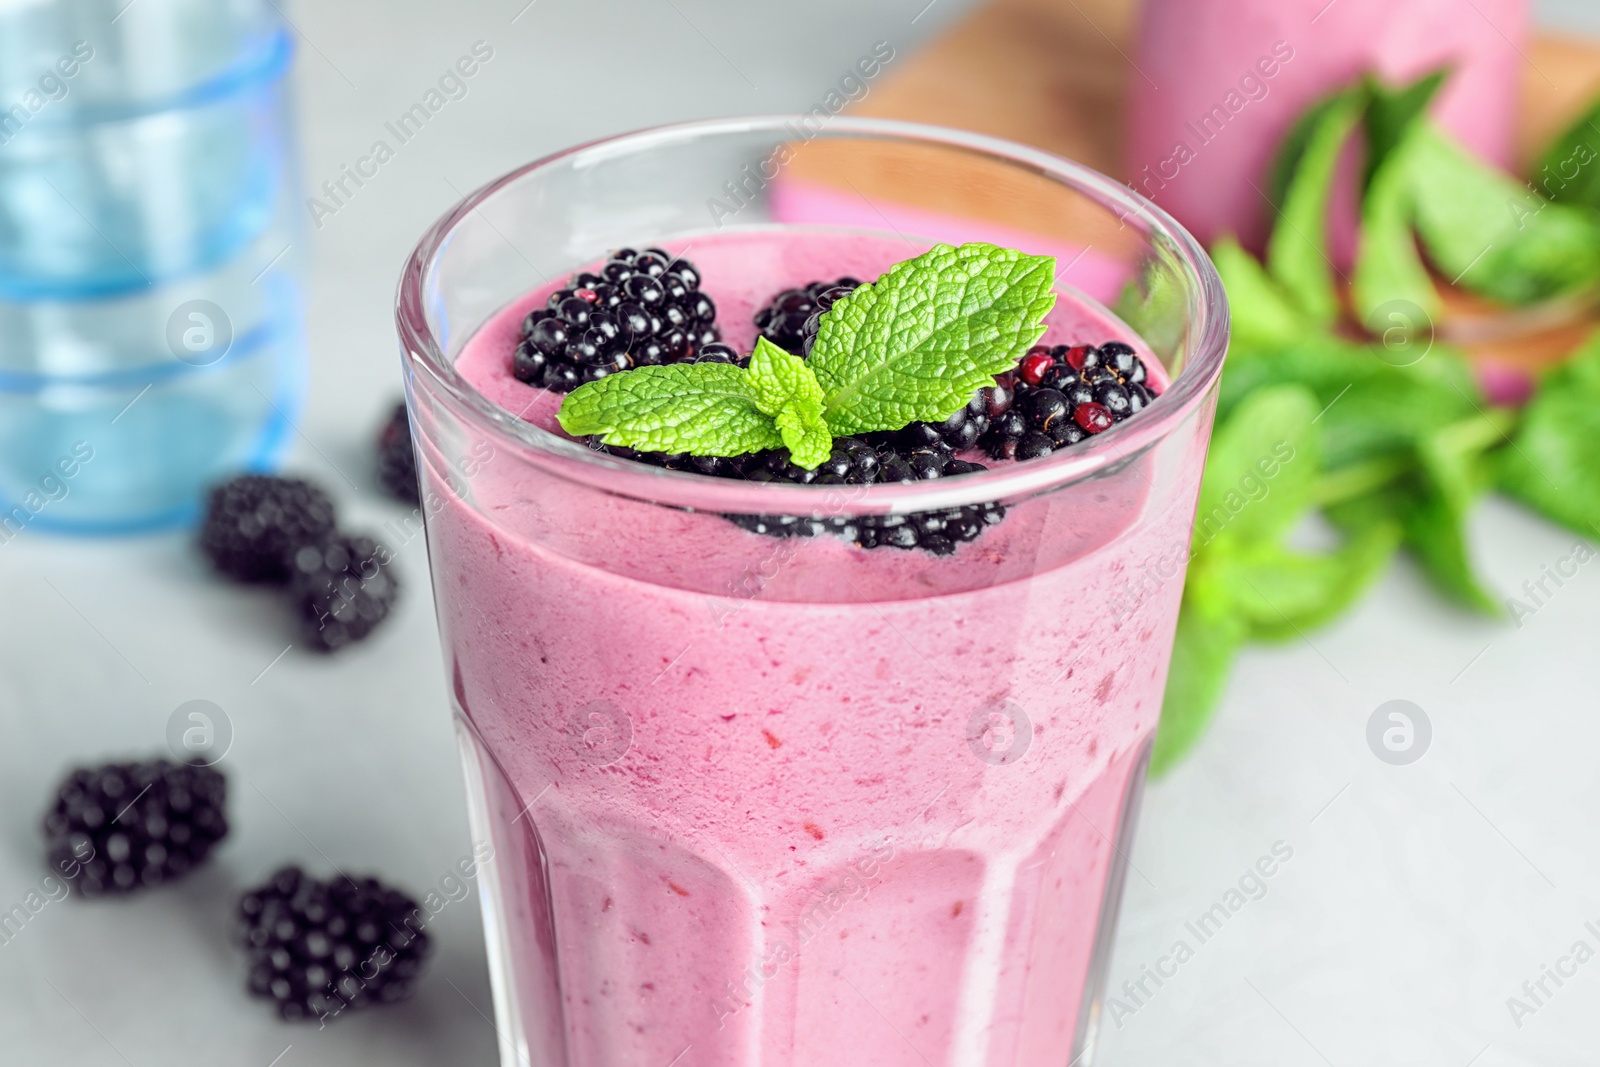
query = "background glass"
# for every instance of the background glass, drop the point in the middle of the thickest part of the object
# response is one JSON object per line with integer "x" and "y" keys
{"x": 151, "y": 314}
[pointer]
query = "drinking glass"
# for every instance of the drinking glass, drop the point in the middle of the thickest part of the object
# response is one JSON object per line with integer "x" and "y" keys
{"x": 152, "y": 251}
{"x": 787, "y": 801}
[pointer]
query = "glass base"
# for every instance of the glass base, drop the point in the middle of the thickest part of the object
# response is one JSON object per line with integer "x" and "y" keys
{"x": 1027, "y": 987}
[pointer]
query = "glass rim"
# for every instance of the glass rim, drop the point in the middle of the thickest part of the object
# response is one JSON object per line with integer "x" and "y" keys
{"x": 573, "y": 461}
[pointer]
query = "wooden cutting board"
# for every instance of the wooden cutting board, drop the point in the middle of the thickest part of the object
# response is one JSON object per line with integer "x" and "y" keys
{"x": 1055, "y": 73}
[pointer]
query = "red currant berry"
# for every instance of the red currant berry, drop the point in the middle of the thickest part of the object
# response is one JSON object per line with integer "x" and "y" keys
{"x": 1092, "y": 417}
{"x": 1035, "y": 363}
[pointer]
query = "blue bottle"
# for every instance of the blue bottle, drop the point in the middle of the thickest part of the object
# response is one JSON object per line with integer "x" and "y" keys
{"x": 151, "y": 315}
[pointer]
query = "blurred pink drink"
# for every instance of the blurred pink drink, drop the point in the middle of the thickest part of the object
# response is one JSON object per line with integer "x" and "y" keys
{"x": 1219, "y": 82}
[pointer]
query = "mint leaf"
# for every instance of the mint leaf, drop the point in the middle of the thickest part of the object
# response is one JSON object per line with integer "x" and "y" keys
{"x": 1262, "y": 314}
{"x": 1581, "y": 372}
{"x": 1292, "y": 149}
{"x": 1261, "y": 468}
{"x": 1391, "y": 288}
{"x": 1436, "y": 531}
{"x": 1284, "y": 593}
{"x": 916, "y": 344}
{"x": 1437, "y": 483}
{"x": 786, "y": 389}
{"x": 1209, "y": 636}
{"x": 1490, "y": 233}
{"x": 1297, "y": 251}
{"x": 1551, "y": 466}
{"x": 1433, "y": 532}
{"x": 1322, "y": 363}
{"x": 704, "y": 409}
{"x": 1566, "y": 172}
{"x": 1392, "y": 113}
{"x": 1390, "y": 410}
{"x": 1451, "y": 456}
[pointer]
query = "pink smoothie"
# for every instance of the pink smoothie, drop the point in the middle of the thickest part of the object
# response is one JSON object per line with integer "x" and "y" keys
{"x": 1222, "y": 80}
{"x": 792, "y": 802}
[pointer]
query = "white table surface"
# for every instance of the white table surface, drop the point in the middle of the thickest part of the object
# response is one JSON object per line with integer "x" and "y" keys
{"x": 1418, "y": 899}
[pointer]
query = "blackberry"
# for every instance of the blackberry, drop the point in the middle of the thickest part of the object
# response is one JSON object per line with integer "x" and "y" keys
{"x": 1120, "y": 359}
{"x": 125, "y": 826}
{"x": 341, "y": 589}
{"x": 1034, "y": 445}
{"x": 397, "y": 460}
{"x": 856, "y": 461}
{"x": 790, "y": 319}
{"x": 717, "y": 352}
{"x": 1063, "y": 394}
{"x": 867, "y": 460}
{"x": 1011, "y": 425}
{"x": 254, "y": 521}
{"x": 1046, "y": 407}
{"x": 960, "y": 431}
{"x": 641, "y": 309}
{"x": 322, "y": 948}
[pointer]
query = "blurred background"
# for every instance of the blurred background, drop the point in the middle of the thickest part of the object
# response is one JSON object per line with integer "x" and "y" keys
{"x": 1419, "y": 899}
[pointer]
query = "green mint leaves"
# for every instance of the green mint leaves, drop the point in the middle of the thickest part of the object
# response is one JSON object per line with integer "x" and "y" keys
{"x": 1491, "y": 233}
{"x": 1393, "y": 442}
{"x": 786, "y": 389}
{"x": 1297, "y": 254}
{"x": 701, "y": 408}
{"x": 1552, "y": 468}
{"x": 914, "y": 345}
{"x": 920, "y": 340}
{"x": 1390, "y": 274}
{"x": 1566, "y": 173}
{"x": 1262, "y": 478}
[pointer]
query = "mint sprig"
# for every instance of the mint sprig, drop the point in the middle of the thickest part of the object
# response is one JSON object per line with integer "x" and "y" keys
{"x": 1400, "y": 439}
{"x": 1263, "y": 475}
{"x": 786, "y": 389}
{"x": 1552, "y": 469}
{"x": 704, "y": 409}
{"x": 1297, "y": 252}
{"x": 914, "y": 345}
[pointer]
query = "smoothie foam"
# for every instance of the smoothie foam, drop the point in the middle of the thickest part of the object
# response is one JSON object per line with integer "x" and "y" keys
{"x": 782, "y": 802}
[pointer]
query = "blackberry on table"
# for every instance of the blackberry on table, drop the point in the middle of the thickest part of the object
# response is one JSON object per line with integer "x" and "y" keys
{"x": 641, "y": 309}
{"x": 120, "y": 827}
{"x": 254, "y": 521}
{"x": 397, "y": 459}
{"x": 341, "y": 589}
{"x": 791, "y": 318}
{"x": 1061, "y": 395}
{"x": 320, "y": 948}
